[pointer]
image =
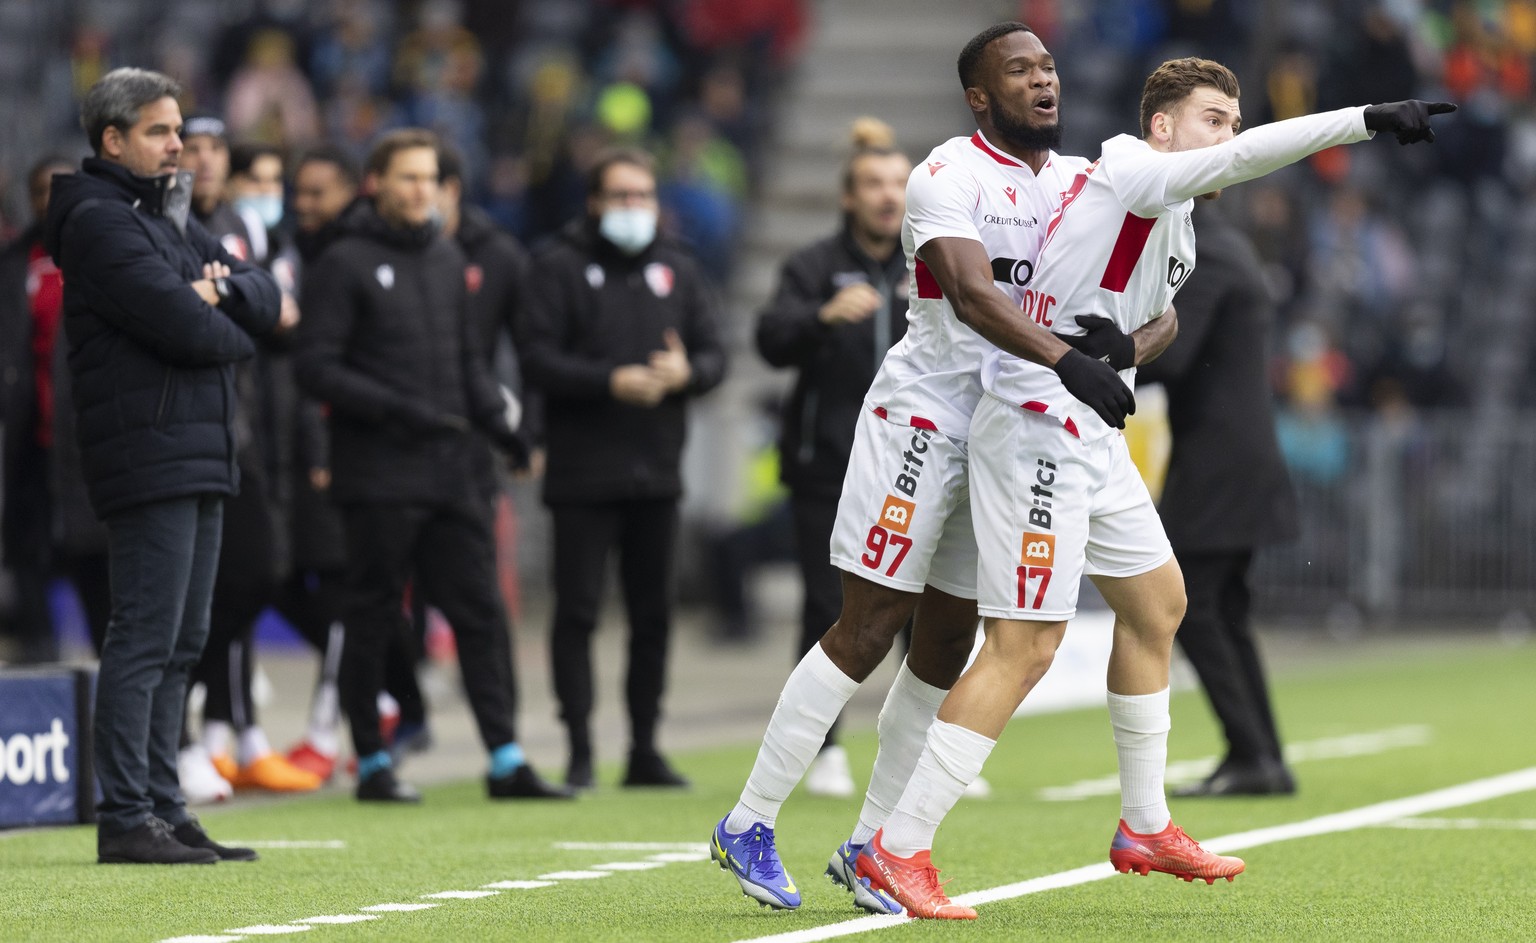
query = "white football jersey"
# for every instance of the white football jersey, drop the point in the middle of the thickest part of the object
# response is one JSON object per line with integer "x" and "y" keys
{"x": 1122, "y": 243}
{"x": 966, "y": 189}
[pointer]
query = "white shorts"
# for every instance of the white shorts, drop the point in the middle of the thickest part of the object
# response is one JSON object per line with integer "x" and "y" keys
{"x": 904, "y": 519}
{"x": 1049, "y": 508}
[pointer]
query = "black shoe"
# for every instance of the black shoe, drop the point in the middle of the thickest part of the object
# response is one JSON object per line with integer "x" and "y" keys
{"x": 651, "y": 769}
{"x": 191, "y": 834}
{"x": 578, "y": 773}
{"x": 150, "y": 843}
{"x": 1267, "y": 778}
{"x": 382, "y": 786}
{"x": 524, "y": 783}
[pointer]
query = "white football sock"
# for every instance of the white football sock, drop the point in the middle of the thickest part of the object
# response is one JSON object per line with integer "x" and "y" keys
{"x": 325, "y": 709}
{"x": 951, "y": 760}
{"x": 218, "y": 737}
{"x": 253, "y": 745}
{"x": 904, "y": 720}
{"x": 1141, "y": 724}
{"x": 811, "y": 700}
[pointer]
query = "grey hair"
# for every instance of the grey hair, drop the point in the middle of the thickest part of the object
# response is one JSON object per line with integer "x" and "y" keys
{"x": 115, "y": 100}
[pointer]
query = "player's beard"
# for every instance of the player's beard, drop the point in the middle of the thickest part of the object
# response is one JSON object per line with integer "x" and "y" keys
{"x": 1020, "y": 133}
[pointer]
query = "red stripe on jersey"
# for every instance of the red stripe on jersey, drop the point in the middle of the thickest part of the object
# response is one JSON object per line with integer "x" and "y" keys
{"x": 927, "y": 285}
{"x": 1127, "y": 252}
{"x": 918, "y": 422}
{"x": 976, "y": 140}
{"x": 880, "y": 411}
{"x": 1071, "y": 427}
{"x": 1035, "y": 406}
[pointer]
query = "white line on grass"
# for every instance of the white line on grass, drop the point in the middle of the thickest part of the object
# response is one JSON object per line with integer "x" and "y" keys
{"x": 271, "y": 929}
{"x": 573, "y": 875}
{"x": 677, "y": 857}
{"x": 629, "y": 866}
{"x": 1522, "y": 825}
{"x": 1465, "y": 794}
{"x": 1328, "y": 748}
{"x": 338, "y": 918}
{"x": 458, "y": 895}
{"x": 519, "y": 885}
{"x": 202, "y": 938}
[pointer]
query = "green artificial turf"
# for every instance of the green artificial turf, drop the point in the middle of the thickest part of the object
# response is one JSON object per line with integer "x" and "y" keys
{"x": 1475, "y": 701}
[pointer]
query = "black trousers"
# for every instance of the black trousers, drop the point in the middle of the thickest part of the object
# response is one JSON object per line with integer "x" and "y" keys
{"x": 163, "y": 559}
{"x": 312, "y": 601}
{"x": 823, "y": 601}
{"x": 644, "y": 532}
{"x": 1218, "y": 640}
{"x": 450, "y": 551}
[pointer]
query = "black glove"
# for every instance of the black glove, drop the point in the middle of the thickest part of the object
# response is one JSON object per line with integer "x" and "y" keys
{"x": 1098, "y": 385}
{"x": 1103, "y": 341}
{"x": 512, "y": 447}
{"x": 1408, "y": 120}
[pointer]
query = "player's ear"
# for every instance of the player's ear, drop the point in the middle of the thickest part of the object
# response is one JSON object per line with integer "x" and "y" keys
{"x": 976, "y": 98}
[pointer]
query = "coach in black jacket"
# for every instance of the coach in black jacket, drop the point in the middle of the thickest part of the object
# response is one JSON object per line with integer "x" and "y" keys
{"x": 620, "y": 330}
{"x": 157, "y": 314}
{"x": 386, "y": 341}
{"x": 840, "y": 305}
{"x": 1227, "y": 492}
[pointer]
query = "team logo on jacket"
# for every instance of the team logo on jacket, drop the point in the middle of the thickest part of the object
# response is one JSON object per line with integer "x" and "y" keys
{"x": 660, "y": 277}
{"x": 474, "y": 277}
{"x": 595, "y": 276}
{"x": 386, "y": 275}
{"x": 235, "y": 246}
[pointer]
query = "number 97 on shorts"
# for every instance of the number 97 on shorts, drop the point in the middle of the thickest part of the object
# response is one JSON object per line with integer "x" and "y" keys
{"x": 890, "y": 533}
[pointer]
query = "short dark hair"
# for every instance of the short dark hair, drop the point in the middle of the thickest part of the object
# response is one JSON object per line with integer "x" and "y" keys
{"x": 633, "y": 156}
{"x": 117, "y": 97}
{"x": 1170, "y": 83}
{"x": 244, "y": 155}
{"x": 337, "y": 157}
{"x": 970, "y": 56}
{"x": 450, "y": 166}
{"x": 403, "y": 139}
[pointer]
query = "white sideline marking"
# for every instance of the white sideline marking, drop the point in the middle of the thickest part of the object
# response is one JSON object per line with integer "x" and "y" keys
{"x": 458, "y": 895}
{"x": 629, "y": 866}
{"x": 329, "y": 844}
{"x": 573, "y": 875}
{"x": 519, "y": 885}
{"x": 271, "y": 929}
{"x": 204, "y": 938}
{"x": 1328, "y": 748}
{"x": 1382, "y": 812}
{"x": 1525, "y": 825}
{"x": 677, "y": 857}
{"x": 338, "y": 918}
{"x": 398, "y": 908}
{"x": 632, "y": 846}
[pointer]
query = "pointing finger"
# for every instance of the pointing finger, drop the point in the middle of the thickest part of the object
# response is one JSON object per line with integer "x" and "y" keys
{"x": 1441, "y": 108}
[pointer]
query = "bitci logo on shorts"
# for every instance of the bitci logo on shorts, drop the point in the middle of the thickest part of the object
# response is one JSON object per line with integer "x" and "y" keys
{"x": 1038, "y": 550}
{"x": 897, "y": 514}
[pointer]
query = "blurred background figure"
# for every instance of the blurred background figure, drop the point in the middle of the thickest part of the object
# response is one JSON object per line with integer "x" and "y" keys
{"x": 840, "y": 305}
{"x": 1226, "y": 494}
{"x": 621, "y": 330}
{"x": 49, "y": 529}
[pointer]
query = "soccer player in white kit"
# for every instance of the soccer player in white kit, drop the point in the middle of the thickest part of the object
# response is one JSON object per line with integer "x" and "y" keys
{"x": 976, "y": 215}
{"x": 1054, "y": 489}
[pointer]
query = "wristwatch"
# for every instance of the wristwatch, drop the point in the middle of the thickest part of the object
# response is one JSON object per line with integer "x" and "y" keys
{"x": 221, "y": 288}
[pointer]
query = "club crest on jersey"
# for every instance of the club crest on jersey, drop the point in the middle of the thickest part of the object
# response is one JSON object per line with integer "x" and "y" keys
{"x": 660, "y": 277}
{"x": 386, "y": 275}
{"x": 235, "y": 246}
{"x": 1013, "y": 195}
{"x": 474, "y": 278}
{"x": 934, "y": 166}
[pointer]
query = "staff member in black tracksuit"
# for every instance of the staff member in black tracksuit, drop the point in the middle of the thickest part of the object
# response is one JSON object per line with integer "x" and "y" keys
{"x": 840, "y": 305}
{"x": 157, "y": 315}
{"x": 1227, "y": 492}
{"x": 386, "y": 341}
{"x": 620, "y": 330}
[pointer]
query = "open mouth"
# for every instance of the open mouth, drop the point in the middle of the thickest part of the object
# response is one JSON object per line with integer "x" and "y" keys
{"x": 1045, "y": 105}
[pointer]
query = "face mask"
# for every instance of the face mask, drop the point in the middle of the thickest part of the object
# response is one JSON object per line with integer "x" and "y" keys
{"x": 631, "y": 229}
{"x": 268, "y": 208}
